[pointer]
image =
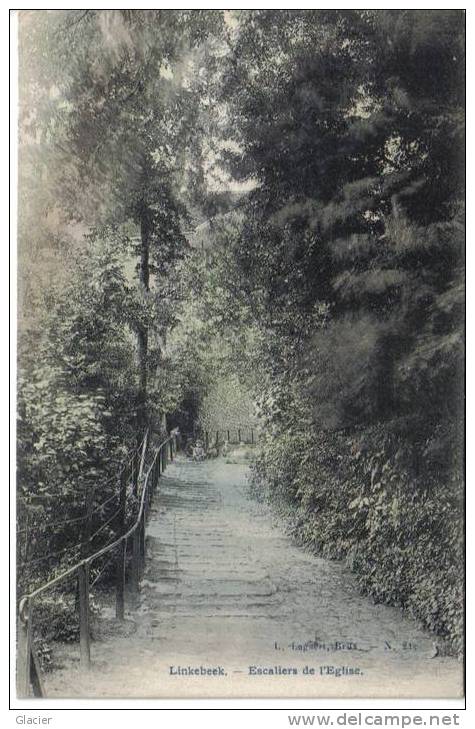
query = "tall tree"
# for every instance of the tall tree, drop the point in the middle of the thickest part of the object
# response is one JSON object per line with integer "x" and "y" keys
{"x": 351, "y": 122}
{"x": 122, "y": 117}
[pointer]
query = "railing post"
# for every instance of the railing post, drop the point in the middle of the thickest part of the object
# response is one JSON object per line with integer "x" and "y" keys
{"x": 142, "y": 537}
{"x": 142, "y": 460}
{"x": 122, "y": 502}
{"x": 84, "y": 631}
{"x": 133, "y": 471}
{"x": 151, "y": 487}
{"x": 121, "y": 557}
{"x": 136, "y": 559}
{"x": 35, "y": 675}
{"x": 28, "y": 667}
{"x": 24, "y": 653}
{"x": 135, "y": 571}
{"x": 27, "y": 535}
{"x": 120, "y": 578}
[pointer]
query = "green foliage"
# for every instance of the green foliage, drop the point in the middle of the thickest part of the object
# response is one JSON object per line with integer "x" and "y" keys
{"x": 324, "y": 287}
{"x": 58, "y": 618}
{"x": 60, "y": 436}
{"x": 362, "y": 496}
{"x": 77, "y": 404}
{"x": 350, "y": 262}
{"x": 358, "y": 204}
{"x": 106, "y": 142}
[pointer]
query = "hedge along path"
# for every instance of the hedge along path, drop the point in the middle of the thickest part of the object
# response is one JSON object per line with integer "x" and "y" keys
{"x": 226, "y": 593}
{"x": 29, "y": 675}
{"x": 32, "y": 529}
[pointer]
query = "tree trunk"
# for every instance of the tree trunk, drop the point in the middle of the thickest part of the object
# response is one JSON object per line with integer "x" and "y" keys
{"x": 142, "y": 336}
{"x": 87, "y": 530}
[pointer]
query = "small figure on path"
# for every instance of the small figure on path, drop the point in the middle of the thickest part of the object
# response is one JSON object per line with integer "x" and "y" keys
{"x": 198, "y": 452}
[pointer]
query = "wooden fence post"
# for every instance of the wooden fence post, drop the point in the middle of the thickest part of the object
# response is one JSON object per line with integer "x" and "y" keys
{"x": 133, "y": 471}
{"x": 24, "y": 654}
{"x": 122, "y": 555}
{"x": 84, "y": 632}
{"x": 228, "y": 436}
{"x": 28, "y": 666}
{"x": 217, "y": 437}
{"x": 35, "y": 675}
{"x": 86, "y": 536}
{"x": 142, "y": 537}
{"x": 151, "y": 488}
{"x": 252, "y": 435}
{"x": 135, "y": 571}
{"x": 207, "y": 439}
{"x": 27, "y": 535}
{"x": 120, "y": 578}
{"x": 239, "y": 435}
{"x": 136, "y": 560}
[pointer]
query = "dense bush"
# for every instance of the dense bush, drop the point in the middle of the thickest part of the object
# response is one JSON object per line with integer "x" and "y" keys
{"x": 77, "y": 404}
{"x": 358, "y": 495}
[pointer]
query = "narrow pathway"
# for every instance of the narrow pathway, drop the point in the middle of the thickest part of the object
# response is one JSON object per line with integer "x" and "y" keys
{"x": 226, "y": 594}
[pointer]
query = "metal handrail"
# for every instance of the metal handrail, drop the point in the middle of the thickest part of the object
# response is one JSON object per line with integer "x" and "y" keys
{"x": 25, "y": 599}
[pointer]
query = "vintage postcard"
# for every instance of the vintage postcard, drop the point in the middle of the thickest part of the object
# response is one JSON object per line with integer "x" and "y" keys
{"x": 240, "y": 381}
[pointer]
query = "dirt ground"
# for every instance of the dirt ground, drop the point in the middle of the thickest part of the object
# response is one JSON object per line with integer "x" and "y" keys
{"x": 230, "y": 607}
